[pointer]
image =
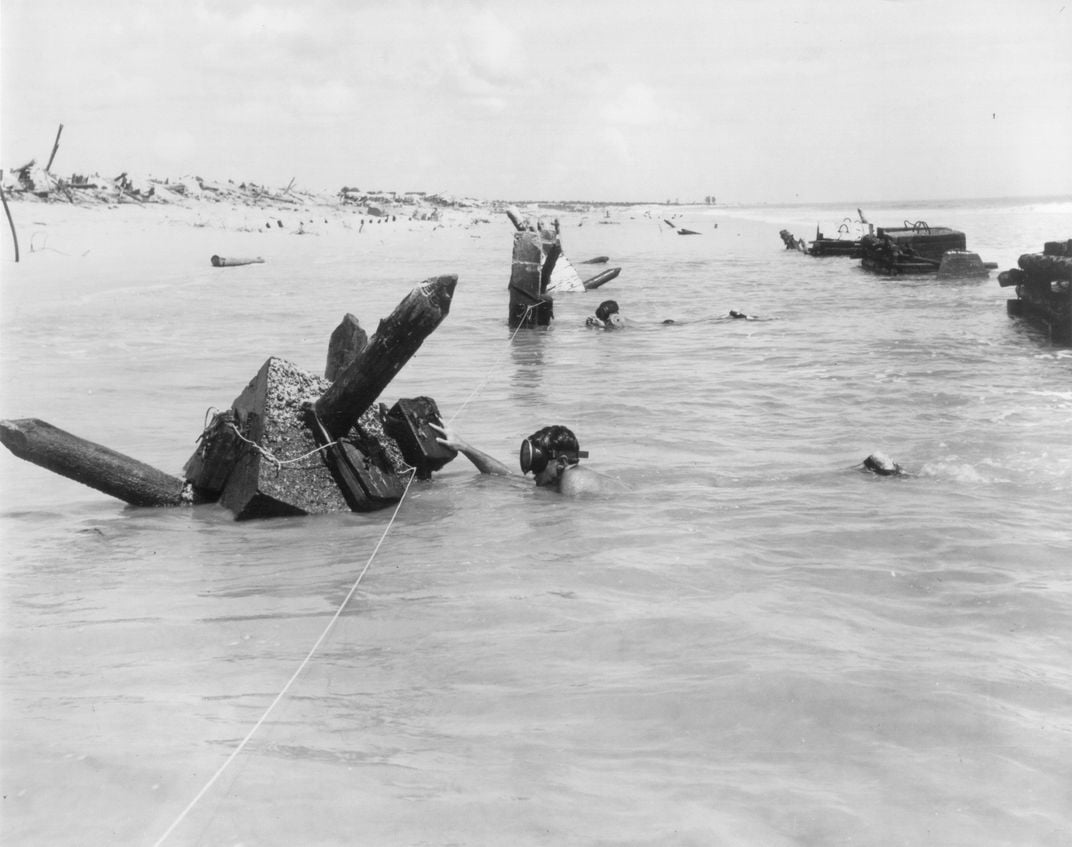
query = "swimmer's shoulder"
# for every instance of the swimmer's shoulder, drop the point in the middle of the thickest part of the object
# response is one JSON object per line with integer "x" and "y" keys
{"x": 580, "y": 480}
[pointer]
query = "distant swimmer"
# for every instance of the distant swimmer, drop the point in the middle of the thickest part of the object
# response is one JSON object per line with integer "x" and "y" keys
{"x": 606, "y": 317}
{"x": 733, "y": 315}
{"x": 552, "y": 454}
{"x": 882, "y": 465}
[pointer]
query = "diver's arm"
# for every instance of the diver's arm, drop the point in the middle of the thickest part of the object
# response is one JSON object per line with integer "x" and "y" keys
{"x": 484, "y": 463}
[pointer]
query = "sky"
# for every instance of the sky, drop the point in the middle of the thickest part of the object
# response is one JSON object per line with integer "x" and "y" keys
{"x": 616, "y": 100}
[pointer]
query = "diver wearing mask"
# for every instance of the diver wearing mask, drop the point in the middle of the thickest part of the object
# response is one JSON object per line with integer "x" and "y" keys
{"x": 551, "y": 454}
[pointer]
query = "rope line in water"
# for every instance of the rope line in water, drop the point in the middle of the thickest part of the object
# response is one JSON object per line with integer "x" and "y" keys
{"x": 308, "y": 657}
{"x": 487, "y": 374}
{"x": 338, "y": 612}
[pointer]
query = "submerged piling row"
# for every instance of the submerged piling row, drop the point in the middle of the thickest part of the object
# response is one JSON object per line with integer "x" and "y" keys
{"x": 1043, "y": 284}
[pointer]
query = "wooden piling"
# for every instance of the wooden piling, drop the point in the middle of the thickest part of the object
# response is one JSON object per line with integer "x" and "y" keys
{"x": 534, "y": 256}
{"x": 397, "y": 338}
{"x": 91, "y": 464}
{"x": 346, "y": 343}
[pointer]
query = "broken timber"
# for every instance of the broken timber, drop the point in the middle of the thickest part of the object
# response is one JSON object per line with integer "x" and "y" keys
{"x": 396, "y": 340}
{"x": 292, "y": 443}
{"x": 91, "y": 464}
{"x": 535, "y": 253}
{"x": 221, "y": 262}
{"x": 601, "y": 278}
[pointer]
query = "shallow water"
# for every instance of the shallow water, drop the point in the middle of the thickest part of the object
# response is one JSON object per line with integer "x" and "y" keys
{"x": 756, "y": 644}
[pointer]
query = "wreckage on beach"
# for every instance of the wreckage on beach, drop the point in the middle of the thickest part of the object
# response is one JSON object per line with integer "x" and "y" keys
{"x": 292, "y": 443}
{"x": 915, "y": 248}
{"x": 1043, "y": 284}
{"x": 918, "y": 248}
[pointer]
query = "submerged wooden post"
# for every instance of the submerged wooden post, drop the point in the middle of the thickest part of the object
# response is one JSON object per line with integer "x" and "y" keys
{"x": 91, "y": 464}
{"x": 345, "y": 345}
{"x": 534, "y": 257}
{"x": 397, "y": 338}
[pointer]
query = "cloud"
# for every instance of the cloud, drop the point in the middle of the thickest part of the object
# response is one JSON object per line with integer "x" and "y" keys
{"x": 485, "y": 60}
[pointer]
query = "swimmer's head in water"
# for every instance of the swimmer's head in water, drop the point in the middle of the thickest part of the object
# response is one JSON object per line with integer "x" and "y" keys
{"x": 882, "y": 465}
{"x": 549, "y": 444}
{"x": 606, "y": 309}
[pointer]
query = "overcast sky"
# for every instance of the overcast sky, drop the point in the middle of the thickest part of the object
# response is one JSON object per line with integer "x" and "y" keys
{"x": 747, "y": 100}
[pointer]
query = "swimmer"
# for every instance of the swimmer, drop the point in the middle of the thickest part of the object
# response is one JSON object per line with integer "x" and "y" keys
{"x": 881, "y": 465}
{"x": 552, "y": 454}
{"x": 606, "y": 316}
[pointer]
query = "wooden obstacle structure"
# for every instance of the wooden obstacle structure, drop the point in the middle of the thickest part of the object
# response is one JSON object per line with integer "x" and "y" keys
{"x": 292, "y": 443}
{"x": 539, "y": 270}
{"x": 1043, "y": 283}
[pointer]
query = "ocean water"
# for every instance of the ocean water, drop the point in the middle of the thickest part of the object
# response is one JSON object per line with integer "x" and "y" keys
{"x": 755, "y": 644}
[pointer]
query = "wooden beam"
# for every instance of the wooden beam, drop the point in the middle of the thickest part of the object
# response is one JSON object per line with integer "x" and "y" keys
{"x": 55, "y": 147}
{"x": 91, "y": 464}
{"x": 397, "y": 338}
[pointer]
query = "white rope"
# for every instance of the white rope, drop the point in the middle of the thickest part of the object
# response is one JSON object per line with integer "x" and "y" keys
{"x": 487, "y": 375}
{"x": 338, "y": 612}
{"x": 242, "y": 745}
{"x": 264, "y": 451}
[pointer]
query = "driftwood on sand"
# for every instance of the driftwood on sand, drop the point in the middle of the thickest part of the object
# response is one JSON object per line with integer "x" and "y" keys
{"x": 221, "y": 262}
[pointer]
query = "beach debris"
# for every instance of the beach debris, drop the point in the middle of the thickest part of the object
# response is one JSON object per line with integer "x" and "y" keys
{"x": 962, "y": 264}
{"x": 847, "y": 240}
{"x": 292, "y": 443}
{"x": 601, "y": 278}
{"x": 221, "y": 262}
{"x": 564, "y": 277}
{"x": 791, "y": 242}
{"x": 1043, "y": 283}
{"x": 915, "y": 248}
{"x": 55, "y": 147}
{"x": 540, "y": 270}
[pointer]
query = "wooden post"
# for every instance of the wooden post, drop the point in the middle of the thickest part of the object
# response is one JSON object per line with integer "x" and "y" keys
{"x": 530, "y": 304}
{"x": 55, "y": 147}
{"x": 601, "y": 278}
{"x": 397, "y": 338}
{"x": 11, "y": 223}
{"x": 91, "y": 464}
{"x": 346, "y": 344}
